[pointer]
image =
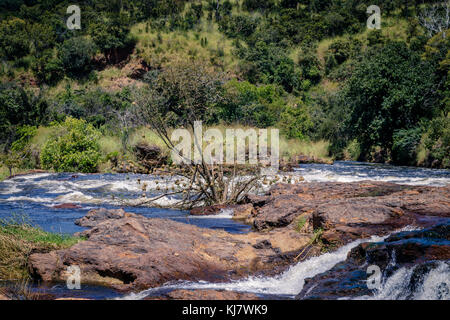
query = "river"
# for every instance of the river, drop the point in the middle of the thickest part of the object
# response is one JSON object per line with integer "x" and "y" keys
{"x": 38, "y": 198}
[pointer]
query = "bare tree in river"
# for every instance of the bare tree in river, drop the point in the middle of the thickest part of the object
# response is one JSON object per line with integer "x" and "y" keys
{"x": 181, "y": 94}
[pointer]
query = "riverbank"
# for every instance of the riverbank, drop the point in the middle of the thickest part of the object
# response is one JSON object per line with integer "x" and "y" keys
{"x": 18, "y": 239}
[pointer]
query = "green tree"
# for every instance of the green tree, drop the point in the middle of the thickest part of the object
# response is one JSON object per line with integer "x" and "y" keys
{"x": 17, "y": 107}
{"x": 111, "y": 35}
{"x": 295, "y": 121}
{"x": 390, "y": 89}
{"x": 14, "y": 41}
{"x": 76, "y": 56}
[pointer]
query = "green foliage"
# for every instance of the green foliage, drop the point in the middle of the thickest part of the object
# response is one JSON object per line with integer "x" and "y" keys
{"x": 76, "y": 55}
{"x": 13, "y": 39}
{"x": 238, "y": 26}
{"x": 295, "y": 122}
{"x": 269, "y": 64}
{"x": 18, "y": 239}
{"x": 17, "y": 107}
{"x": 21, "y": 228}
{"x": 436, "y": 142}
{"x": 182, "y": 93}
{"x": 361, "y": 92}
{"x": 353, "y": 150}
{"x": 381, "y": 97}
{"x": 48, "y": 68}
{"x": 111, "y": 34}
{"x": 300, "y": 224}
{"x": 22, "y": 151}
{"x": 404, "y": 147}
{"x": 310, "y": 67}
{"x": 340, "y": 51}
{"x": 251, "y": 105}
{"x": 73, "y": 148}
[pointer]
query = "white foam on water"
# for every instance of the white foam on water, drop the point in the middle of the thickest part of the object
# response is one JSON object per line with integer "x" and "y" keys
{"x": 332, "y": 174}
{"x": 31, "y": 176}
{"x": 288, "y": 283}
{"x": 12, "y": 188}
{"x": 331, "y": 177}
{"x": 31, "y": 199}
{"x": 223, "y": 214}
{"x": 434, "y": 285}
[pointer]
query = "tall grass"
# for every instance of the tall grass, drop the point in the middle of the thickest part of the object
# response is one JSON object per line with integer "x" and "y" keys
{"x": 148, "y": 136}
{"x": 161, "y": 47}
{"x": 110, "y": 144}
{"x": 293, "y": 147}
{"x": 18, "y": 239}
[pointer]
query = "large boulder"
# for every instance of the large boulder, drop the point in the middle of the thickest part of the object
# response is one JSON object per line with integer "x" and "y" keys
{"x": 348, "y": 211}
{"x": 128, "y": 251}
{"x": 206, "y": 294}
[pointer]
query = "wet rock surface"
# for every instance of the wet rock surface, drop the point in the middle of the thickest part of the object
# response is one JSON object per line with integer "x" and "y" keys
{"x": 421, "y": 250}
{"x": 348, "y": 211}
{"x": 127, "y": 251}
{"x": 182, "y": 294}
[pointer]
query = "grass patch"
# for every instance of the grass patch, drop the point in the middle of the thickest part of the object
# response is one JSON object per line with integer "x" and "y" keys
{"x": 300, "y": 224}
{"x": 316, "y": 149}
{"x": 18, "y": 239}
{"x": 110, "y": 144}
{"x": 148, "y": 136}
{"x": 160, "y": 48}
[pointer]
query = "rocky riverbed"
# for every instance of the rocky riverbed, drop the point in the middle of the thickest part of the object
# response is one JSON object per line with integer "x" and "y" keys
{"x": 290, "y": 224}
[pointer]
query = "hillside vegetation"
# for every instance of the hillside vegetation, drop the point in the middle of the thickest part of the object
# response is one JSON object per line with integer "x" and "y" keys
{"x": 77, "y": 100}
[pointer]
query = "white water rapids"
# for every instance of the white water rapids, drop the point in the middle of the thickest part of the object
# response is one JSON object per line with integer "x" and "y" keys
{"x": 288, "y": 283}
{"x": 434, "y": 285}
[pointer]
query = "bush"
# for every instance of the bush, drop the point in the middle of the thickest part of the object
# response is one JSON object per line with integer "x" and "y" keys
{"x": 353, "y": 151}
{"x": 295, "y": 122}
{"x": 76, "y": 55}
{"x": 28, "y": 158}
{"x": 14, "y": 42}
{"x": 48, "y": 69}
{"x": 17, "y": 107}
{"x": 251, "y": 105}
{"x": 310, "y": 67}
{"x": 73, "y": 148}
{"x": 404, "y": 148}
{"x": 436, "y": 143}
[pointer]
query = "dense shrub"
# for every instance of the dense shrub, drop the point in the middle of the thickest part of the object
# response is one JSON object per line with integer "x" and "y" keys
{"x": 310, "y": 67}
{"x": 14, "y": 42}
{"x": 111, "y": 35}
{"x": 295, "y": 122}
{"x": 382, "y": 98}
{"x": 269, "y": 64}
{"x": 258, "y": 106}
{"x": 238, "y": 26}
{"x": 404, "y": 147}
{"x": 48, "y": 68}
{"x": 22, "y": 149}
{"x": 436, "y": 143}
{"x": 18, "y": 107}
{"x": 76, "y": 55}
{"x": 73, "y": 148}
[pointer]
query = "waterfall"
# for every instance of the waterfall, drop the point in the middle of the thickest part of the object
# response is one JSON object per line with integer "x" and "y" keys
{"x": 288, "y": 283}
{"x": 401, "y": 285}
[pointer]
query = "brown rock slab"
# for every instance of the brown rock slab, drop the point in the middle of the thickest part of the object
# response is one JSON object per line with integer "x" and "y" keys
{"x": 206, "y": 295}
{"x": 67, "y": 206}
{"x": 128, "y": 251}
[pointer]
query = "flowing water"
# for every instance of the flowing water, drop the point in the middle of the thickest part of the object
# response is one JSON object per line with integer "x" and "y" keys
{"x": 35, "y": 196}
